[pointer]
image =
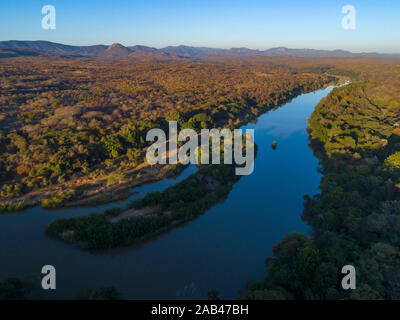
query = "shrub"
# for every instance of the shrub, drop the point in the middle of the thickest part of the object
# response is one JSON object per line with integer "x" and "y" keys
{"x": 57, "y": 201}
{"x": 112, "y": 212}
{"x": 12, "y": 206}
{"x": 393, "y": 161}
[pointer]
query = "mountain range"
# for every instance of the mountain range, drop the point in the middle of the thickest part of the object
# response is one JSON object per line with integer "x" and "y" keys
{"x": 14, "y": 48}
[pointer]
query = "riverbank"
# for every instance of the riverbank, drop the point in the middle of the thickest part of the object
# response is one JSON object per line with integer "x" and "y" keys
{"x": 151, "y": 215}
{"x": 222, "y": 249}
{"x": 354, "y": 132}
{"x": 104, "y": 186}
{"x": 146, "y": 213}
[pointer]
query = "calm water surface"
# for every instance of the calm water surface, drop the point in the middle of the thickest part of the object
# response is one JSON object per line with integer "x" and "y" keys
{"x": 223, "y": 249}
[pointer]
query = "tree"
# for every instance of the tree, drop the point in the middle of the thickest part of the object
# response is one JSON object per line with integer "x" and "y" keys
{"x": 393, "y": 161}
{"x": 104, "y": 293}
{"x": 107, "y": 293}
{"x": 213, "y": 295}
{"x": 14, "y": 289}
{"x": 112, "y": 145}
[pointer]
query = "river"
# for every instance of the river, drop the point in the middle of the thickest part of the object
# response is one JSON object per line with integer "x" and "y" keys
{"x": 223, "y": 249}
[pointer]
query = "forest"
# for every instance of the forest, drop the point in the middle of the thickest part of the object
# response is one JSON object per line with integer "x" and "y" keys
{"x": 76, "y": 128}
{"x": 73, "y": 129}
{"x": 175, "y": 205}
{"x": 355, "y": 218}
{"x": 25, "y": 289}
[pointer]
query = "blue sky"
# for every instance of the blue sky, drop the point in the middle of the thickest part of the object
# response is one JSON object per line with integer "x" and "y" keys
{"x": 257, "y": 24}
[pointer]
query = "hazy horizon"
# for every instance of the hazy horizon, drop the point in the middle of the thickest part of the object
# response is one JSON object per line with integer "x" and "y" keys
{"x": 224, "y": 24}
{"x": 194, "y": 46}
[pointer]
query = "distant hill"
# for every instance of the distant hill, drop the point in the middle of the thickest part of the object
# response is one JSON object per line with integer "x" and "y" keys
{"x": 15, "y": 48}
{"x": 244, "y": 52}
{"x": 190, "y": 52}
{"x": 154, "y": 55}
{"x": 280, "y": 51}
{"x": 117, "y": 50}
{"x": 138, "y": 47}
{"x": 17, "y": 52}
{"x": 200, "y": 52}
{"x": 55, "y": 48}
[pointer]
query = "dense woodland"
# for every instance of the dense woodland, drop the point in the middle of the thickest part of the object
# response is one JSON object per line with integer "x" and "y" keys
{"x": 64, "y": 123}
{"x": 65, "y": 120}
{"x": 356, "y": 216}
{"x": 26, "y": 289}
{"x": 175, "y": 205}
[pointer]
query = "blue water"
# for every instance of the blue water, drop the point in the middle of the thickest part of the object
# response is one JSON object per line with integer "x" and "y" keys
{"x": 224, "y": 249}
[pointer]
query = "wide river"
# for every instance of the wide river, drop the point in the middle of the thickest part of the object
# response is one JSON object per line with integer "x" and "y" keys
{"x": 223, "y": 249}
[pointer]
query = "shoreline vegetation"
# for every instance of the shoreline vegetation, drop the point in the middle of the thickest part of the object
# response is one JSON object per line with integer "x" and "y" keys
{"x": 355, "y": 218}
{"x": 71, "y": 163}
{"x": 155, "y": 213}
{"x": 29, "y": 289}
{"x": 354, "y": 131}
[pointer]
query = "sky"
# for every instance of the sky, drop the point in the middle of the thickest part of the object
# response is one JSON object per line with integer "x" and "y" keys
{"x": 255, "y": 24}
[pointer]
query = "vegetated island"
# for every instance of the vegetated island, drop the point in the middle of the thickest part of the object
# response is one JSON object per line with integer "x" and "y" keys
{"x": 154, "y": 213}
